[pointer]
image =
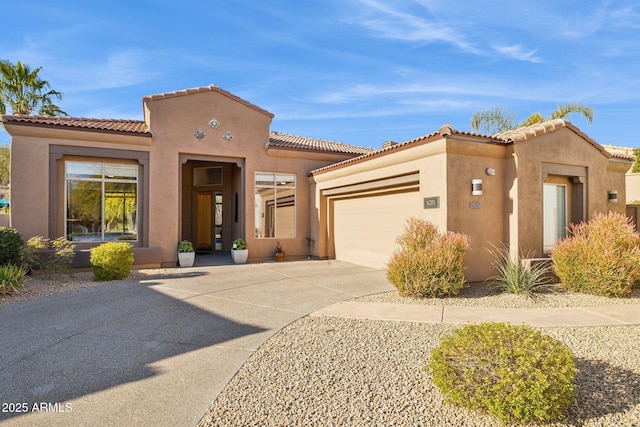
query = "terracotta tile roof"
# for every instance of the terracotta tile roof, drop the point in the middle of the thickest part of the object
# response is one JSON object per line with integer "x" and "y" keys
{"x": 629, "y": 157}
{"x": 625, "y": 153}
{"x": 210, "y": 88}
{"x": 281, "y": 140}
{"x": 444, "y": 131}
{"x": 527, "y": 132}
{"x": 135, "y": 127}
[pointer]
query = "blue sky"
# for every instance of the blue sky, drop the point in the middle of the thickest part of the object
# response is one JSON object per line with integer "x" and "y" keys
{"x": 356, "y": 71}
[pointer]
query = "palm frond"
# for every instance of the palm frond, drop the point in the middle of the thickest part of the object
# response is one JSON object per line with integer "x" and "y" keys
{"x": 564, "y": 110}
{"x": 492, "y": 121}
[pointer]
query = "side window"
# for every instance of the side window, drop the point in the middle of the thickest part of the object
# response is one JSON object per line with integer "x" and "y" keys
{"x": 101, "y": 201}
{"x": 275, "y": 205}
{"x": 554, "y": 214}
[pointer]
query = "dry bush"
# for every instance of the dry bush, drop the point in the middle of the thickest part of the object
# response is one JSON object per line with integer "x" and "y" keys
{"x": 427, "y": 263}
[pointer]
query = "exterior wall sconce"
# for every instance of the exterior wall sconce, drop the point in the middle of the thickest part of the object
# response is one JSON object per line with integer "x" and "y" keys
{"x": 490, "y": 171}
{"x": 476, "y": 187}
{"x": 613, "y": 196}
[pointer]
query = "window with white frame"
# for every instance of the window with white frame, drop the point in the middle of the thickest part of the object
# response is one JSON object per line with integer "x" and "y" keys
{"x": 101, "y": 201}
{"x": 275, "y": 205}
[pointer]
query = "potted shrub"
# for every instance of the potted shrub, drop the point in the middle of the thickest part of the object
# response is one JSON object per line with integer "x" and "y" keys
{"x": 239, "y": 251}
{"x": 186, "y": 254}
{"x": 279, "y": 253}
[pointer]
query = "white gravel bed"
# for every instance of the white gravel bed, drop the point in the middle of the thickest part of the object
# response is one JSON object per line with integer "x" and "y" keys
{"x": 481, "y": 295}
{"x": 340, "y": 372}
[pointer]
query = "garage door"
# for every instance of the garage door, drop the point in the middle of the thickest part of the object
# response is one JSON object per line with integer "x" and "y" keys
{"x": 366, "y": 228}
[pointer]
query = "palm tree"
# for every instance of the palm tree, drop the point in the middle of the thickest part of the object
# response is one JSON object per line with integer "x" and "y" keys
{"x": 23, "y": 91}
{"x": 497, "y": 120}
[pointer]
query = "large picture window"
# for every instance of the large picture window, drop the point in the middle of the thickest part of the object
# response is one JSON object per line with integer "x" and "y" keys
{"x": 101, "y": 201}
{"x": 275, "y": 205}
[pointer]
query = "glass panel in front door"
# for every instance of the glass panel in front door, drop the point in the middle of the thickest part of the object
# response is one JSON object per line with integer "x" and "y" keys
{"x": 217, "y": 225}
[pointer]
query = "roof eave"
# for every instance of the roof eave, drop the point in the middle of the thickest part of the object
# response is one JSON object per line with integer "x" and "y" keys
{"x": 146, "y": 134}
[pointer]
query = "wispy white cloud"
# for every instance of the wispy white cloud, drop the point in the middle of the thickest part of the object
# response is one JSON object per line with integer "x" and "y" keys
{"x": 416, "y": 89}
{"x": 519, "y": 53}
{"x": 117, "y": 69}
{"x": 387, "y": 22}
{"x": 428, "y": 22}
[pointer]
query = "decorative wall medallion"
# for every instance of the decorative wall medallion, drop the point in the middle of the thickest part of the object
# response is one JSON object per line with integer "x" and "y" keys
{"x": 214, "y": 123}
{"x": 199, "y": 134}
{"x": 227, "y": 136}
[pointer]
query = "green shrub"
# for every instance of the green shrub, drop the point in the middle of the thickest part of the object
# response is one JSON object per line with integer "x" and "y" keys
{"x": 10, "y": 246}
{"x": 239, "y": 244}
{"x": 599, "y": 257}
{"x": 185, "y": 246}
{"x": 514, "y": 276}
{"x": 46, "y": 255}
{"x": 514, "y": 372}
{"x": 111, "y": 261}
{"x": 427, "y": 263}
{"x": 11, "y": 279}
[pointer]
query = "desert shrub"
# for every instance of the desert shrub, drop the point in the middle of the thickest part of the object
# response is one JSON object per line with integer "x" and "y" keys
{"x": 514, "y": 276}
{"x": 514, "y": 372}
{"x": 45, "y": 255}
{"x": 599, "y": 257}
{"x": 185, "y": 246}
{"x": 427, "y": 263}
{"x": 11, "y": 278}
{"x": 111, "y": 261}
{"x": 10, "y": 246}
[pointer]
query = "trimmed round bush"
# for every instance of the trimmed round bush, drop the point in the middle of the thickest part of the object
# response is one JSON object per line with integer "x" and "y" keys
{"x": 11, "y": 244}
{"x": 514, "y": 372}
{"x": 600, "y": 257}
{"x": 111, "y": 261}
{"x": 427, "y": 263}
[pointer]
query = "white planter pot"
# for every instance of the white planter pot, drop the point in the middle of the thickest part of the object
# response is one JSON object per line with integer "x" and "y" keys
{"x": 239, "y": 256}
{"x": 185, "y": 259}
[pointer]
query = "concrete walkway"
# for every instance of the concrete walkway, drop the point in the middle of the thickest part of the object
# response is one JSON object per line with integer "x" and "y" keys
{"x": 158, "y": 351}
{"x": 615, "y": 315}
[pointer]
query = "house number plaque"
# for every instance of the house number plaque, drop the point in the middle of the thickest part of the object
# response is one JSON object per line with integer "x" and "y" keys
{"x": 432, "y": 202}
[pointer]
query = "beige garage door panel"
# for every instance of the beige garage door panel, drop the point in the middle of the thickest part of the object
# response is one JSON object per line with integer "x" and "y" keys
{"x": 365, "y": 229}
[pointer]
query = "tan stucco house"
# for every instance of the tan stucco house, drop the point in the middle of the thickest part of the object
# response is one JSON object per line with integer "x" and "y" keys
{"x": 203, "y": 165}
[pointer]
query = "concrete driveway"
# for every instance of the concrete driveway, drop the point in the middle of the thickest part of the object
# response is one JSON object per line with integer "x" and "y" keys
{"x": 155, "y": 351}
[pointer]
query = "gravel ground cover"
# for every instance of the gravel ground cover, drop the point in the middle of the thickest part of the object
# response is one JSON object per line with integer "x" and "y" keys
{"x": 342, "y": 372}
{"x": 481, "y": 295}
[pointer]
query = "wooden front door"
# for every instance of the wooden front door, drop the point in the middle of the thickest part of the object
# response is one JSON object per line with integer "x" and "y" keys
{"x": 204, "y": 220}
